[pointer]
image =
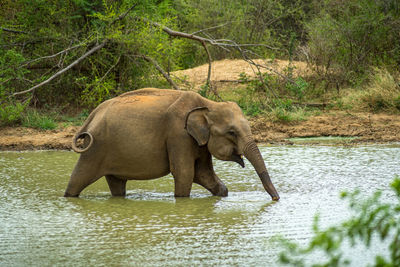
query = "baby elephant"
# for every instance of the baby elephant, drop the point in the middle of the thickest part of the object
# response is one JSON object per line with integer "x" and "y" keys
{"x": 148, "y": 133}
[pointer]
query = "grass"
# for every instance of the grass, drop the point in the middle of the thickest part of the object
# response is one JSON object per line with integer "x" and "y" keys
{"x": 289, "y": 115}
{"x": 34, "y": 119}
{"x": 381, "y": 93}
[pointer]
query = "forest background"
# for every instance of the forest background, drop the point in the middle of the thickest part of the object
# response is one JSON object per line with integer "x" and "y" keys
{"x": 59, "y": 59}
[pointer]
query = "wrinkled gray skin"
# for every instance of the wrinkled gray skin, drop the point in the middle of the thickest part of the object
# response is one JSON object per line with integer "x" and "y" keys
{"x": 148, "y": 133}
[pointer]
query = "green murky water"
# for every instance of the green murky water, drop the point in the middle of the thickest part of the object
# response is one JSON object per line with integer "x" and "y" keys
{"x": 39, "y": 227}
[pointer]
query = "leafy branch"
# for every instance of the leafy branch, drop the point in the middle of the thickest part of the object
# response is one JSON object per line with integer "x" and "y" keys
{"x": 373, "y": 219}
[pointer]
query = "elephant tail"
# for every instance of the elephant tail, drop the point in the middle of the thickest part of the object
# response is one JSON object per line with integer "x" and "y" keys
{"x": 83, "y": 139}
{"x": 82, "y": 142}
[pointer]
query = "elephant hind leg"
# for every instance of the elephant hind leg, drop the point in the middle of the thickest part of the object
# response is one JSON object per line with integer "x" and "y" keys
{"x": 84, "y": 174}
{"x": 117, "y": 186}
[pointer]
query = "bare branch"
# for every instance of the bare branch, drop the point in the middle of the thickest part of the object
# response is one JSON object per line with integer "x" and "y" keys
{"x": 51, "y": 56}
{"x": 243, "y": 45}
{"x": 193, "y": 36}
{"x": 177, "y": 33}
{"x": 212, "y": 28}
{"x": 91, "y": 51}
{"x": 158, "y": 67}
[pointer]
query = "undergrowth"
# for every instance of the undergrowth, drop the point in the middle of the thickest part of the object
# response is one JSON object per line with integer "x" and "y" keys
{"x": 34, "y": 119}
{"x": 20, "y": 115}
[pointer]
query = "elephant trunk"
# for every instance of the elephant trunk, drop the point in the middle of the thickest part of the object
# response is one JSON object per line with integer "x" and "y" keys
{"x": 252, "y": 153}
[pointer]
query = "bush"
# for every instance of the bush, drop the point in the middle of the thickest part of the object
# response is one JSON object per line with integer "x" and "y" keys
{"x": 372, "y": 219}
{"x": 11, "y": 114}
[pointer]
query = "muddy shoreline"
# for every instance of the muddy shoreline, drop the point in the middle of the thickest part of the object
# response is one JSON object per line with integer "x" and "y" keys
{"x": 364, "y": 127}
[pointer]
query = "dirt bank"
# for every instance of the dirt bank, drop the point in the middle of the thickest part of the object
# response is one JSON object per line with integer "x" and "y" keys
{"x": 366, "y": 127}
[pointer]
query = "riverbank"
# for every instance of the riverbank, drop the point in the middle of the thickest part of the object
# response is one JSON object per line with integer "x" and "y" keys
{"x": 362, "y": 127}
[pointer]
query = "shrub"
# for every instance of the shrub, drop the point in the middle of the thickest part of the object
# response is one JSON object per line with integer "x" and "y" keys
{"x": 11, "y": 114}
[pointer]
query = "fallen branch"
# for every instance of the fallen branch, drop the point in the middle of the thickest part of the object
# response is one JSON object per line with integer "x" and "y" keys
{"x": 91, "y": 51}
{"x": 200, "y": 39}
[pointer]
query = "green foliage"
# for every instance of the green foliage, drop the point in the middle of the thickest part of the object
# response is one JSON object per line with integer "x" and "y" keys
{"x": 296, "y": 86}
{"x": 11, "y": 114}
{"x": 285, "y": 111}
{"x": 347, "y": 37}
{"x": 99, "y": 91}
{"x": 373, "y": 219}
{"x": 33, "y": 119}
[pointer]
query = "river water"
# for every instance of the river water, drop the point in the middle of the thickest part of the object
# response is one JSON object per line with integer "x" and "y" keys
{"x": 149, "y": 227}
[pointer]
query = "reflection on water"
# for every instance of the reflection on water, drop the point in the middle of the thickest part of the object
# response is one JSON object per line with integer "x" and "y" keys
{"x": 151, "y": 228}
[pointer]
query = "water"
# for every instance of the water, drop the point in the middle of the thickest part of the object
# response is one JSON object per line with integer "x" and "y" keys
{"x": 39, "y": 227}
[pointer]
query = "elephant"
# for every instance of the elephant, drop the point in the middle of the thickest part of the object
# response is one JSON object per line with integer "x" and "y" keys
{"x": 149, "y": 133}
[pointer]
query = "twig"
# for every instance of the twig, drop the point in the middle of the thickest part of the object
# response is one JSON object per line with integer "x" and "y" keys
{"x": 108, "y": 71}
{"x": 124, "y": 14}
{"x": 212, "y": 28}
{"x": 11, "y": 30}
{"x": 51, "y": 56}
{"x": 158, "y": 67}
{"x": 91, "y": 51}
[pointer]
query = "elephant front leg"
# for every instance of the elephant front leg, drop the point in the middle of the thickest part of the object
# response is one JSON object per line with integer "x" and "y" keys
{"x": 183, "y": 178}
{"x": 206, "y": 177}
{"x": 181, "y": 164}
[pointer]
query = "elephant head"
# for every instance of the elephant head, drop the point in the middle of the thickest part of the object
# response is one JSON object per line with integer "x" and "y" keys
{"x": 227, "y": 134}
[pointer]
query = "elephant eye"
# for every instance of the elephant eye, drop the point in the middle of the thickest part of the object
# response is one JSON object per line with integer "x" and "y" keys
{"x": 232, "y": 133}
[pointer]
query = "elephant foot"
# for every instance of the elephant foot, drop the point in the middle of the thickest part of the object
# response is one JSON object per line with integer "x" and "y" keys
{"x": 66, "y": 194}
{"x": 219, "y": 190}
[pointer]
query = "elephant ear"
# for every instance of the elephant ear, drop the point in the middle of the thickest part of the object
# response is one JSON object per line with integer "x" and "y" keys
{"x": 197, "y": 125}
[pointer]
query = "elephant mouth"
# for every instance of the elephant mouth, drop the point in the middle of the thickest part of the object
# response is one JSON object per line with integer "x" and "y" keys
{"x": 238, "y": 159}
